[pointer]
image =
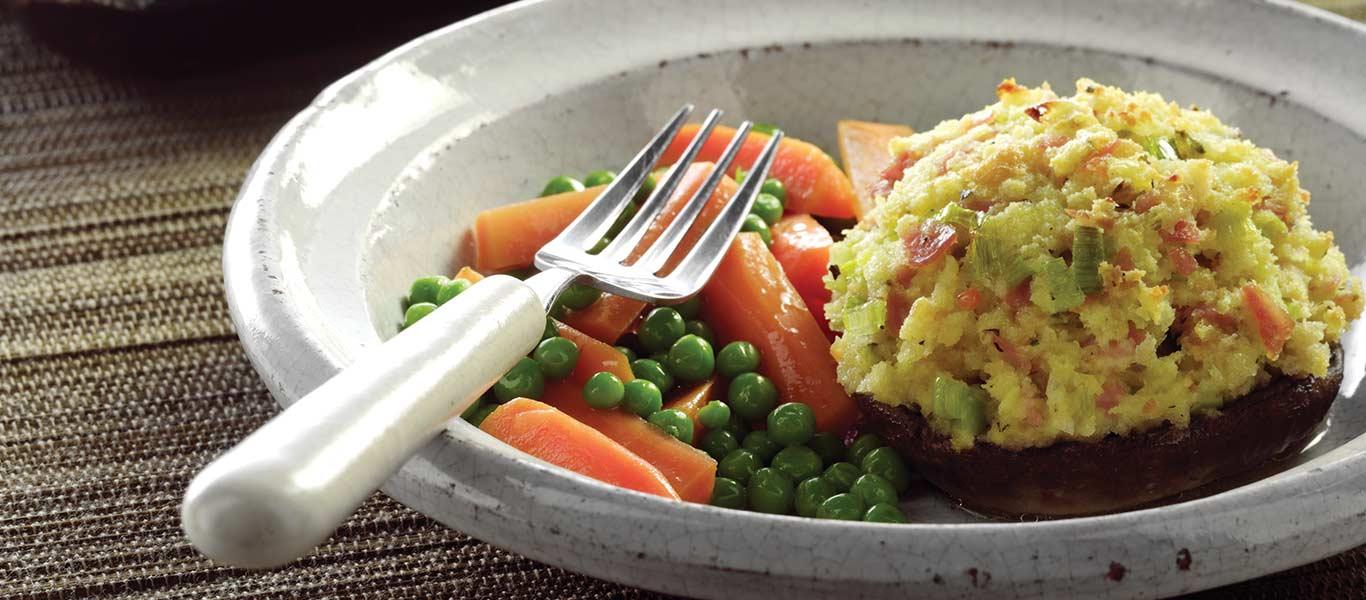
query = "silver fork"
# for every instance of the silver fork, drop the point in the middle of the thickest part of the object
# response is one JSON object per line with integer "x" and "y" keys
{"x": 287, "y": 486}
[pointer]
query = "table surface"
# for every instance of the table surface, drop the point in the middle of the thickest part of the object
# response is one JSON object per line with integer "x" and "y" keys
{"x": 123, "y": 138}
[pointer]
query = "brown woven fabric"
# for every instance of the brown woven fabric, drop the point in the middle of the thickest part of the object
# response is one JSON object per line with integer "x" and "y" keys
{"x": 120, "y": 374}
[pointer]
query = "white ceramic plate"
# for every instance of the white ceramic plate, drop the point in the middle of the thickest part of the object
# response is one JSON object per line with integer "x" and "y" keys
{"x": 377, "y": 182}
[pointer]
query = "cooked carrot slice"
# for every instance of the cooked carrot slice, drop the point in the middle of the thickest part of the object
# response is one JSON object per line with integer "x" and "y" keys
{"x": 863, "y": 150}
{"x": 507, "y": 237}
{"x": 815, "y": 184}
{"x": 690, "y": 471}
{"x": 469, "y": 275}
{"x": 749, "y": 298}
{"x": 594, "y": 356}
{"x": 802, "y": 247}
{"x": 555, "y": 437}
{"x": 692, "y": 401}
{"x": 609, "y": 317}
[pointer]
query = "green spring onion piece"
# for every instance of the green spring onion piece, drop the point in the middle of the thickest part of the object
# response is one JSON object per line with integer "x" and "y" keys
{"x": 964, "y": 219}
{"x": 1054, "y": 289}
{"x": 960, "y": 405}
{"x": 866, "y": 318}
{"x": 994, "y": 262}
{"x": 1161, "y": 147}
{"x": 1271, "y": 226}
{"x": 1087, "y": 250}
{"x": 1187, "y": 146}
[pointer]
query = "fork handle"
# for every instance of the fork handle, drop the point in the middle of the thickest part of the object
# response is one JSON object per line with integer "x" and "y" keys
{"x": 285, "y": 488}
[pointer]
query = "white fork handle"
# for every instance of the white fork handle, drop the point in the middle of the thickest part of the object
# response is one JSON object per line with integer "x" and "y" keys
{"x": 284, "y": 489}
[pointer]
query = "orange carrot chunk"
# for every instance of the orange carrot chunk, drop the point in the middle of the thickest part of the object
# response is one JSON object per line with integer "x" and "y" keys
{"x": 815, "y": 184}
{"x": 507, "y": 237}
{"x": 691, "y": 402}
{"x": 610, "y": 317}
{"x": 749, "y": 298}
{"x": 555, "y": 437}
{"x": 594, "y": 356}
{"x": 690, "y": 471}
{"x": 469, "y": 275}
{"x": 863, "y": 150}
{"x": 802, "y": 247}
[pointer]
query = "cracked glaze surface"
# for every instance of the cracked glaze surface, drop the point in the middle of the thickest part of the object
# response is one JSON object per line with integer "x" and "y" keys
{"x": 377, "y": 182}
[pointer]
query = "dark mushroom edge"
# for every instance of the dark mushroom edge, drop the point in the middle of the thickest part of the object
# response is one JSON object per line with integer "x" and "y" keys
{"x": 1118, "y": 472}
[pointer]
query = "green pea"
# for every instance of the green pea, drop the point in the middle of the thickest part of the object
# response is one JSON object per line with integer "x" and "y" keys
{"x": 550, "y": 329}
{"x": 874, "y": 489}
{"x": 757, "y": 225}
{"x": 714, "y": 415}
{"x": 752, "y": 395}
{"x": 560, "y": 185}
{"x": 775, "y": 188}
{"x": 600, "y": 245}
{"x": 662, "y": 358}
{"x": 597, "y": 178}
{"x": 841, "y": 475}
{"x": 425, "y": 289}
{"x": 843, "y": 507}
{"x": 604, "y": 390}
{"x": 627, "y": 213}
{"x": 761, "y": 445}
{"x": 736, "y": 358}
{"x": 884, "y": 513}
{"x": 559, "y": 311}
{"x": 798, "y": 462}
{"x": 451, "y": 289}
{"x": 557, "y": 356}
{"x": 416, "y": 312}
{"x": 578, "y": 297}
{"x": 700, "y": 329}
{"x": 739, "y": 465}
{"x": 691, "y": 358}
{"x": 768, "y": 208}
{"x": 478, "y": 417}
{"x": 888, "y": 464}
{"x": 628, "y": 353}
{"x": 674, "y": 422}
{"x": 811, "y": 492}
{"x": 479, "y": 403}
{"x": 718, "y": 443}
{"x": 647, "y": 187}
{"x": 728, "y": 493}
{"x": 653, "y": 371}
{"x": 792, "y": 424}
{"x": 828, "y": 446}
{"x": 770, "y": 491}
{"x": 523, "y": 380}
{"x": 690, "y": 308}
{"x": 642, "y": 397}
{"x": 660, "y": 329}
{"x": 862, "y": 445}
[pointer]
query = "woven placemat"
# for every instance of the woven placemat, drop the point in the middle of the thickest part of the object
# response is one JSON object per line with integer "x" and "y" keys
{"x": 120, "y": 374}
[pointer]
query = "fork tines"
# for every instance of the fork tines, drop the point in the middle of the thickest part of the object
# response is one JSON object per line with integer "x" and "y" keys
{"x": 612, "y": 269}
